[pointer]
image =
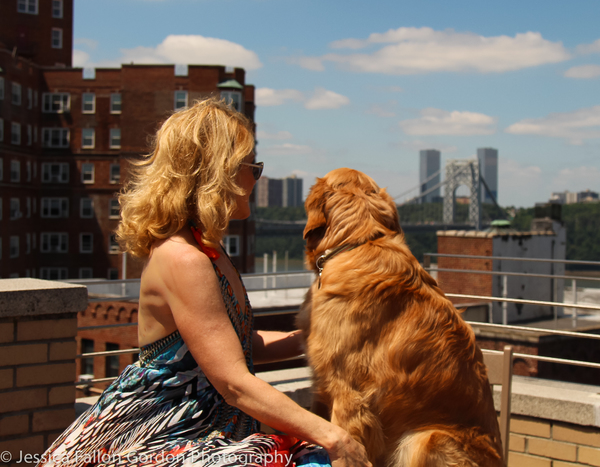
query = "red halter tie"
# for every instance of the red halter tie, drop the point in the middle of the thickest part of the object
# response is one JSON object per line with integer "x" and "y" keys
{"x": 208, "y": 251}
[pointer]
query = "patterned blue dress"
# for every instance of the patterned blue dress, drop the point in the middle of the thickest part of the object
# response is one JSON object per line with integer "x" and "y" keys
{"x": 163, "y": 411}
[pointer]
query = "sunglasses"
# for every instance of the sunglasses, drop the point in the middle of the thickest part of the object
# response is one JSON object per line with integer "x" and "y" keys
{"x": 256, "y": 168}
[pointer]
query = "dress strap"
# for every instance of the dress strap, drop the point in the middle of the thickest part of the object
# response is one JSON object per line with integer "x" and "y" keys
{"x": 212, "y": 253}
{"x": 151, "y": 351}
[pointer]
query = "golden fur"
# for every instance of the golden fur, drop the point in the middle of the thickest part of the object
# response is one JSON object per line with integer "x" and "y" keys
{"x": 392, "y": 358}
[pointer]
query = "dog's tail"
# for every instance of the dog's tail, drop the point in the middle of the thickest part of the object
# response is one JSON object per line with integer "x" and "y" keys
{"x": 443, "y": 448}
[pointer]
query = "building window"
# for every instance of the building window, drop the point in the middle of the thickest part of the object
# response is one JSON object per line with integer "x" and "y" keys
{"x": 57, "y": 36}
{"x": 87, "y": 346}
{"x": 115, "y": 138}
{"x": 29, "y": 135}
{"x": 28, "y": 170}
{"x": 1, "y": 87}
{"x": 115, "y": 173}
{"x": 55, "y": 208}
{"x": 86, "y": 208}
{"x": 56, "y": 102}
{"x": 113, "y": 274}
{"x": 27, "y": 6}
{"x": 15, "y": 171}
{"x": 1, "y": 168}
{"x": 28, "y": 207}
{"x": 14, "y": 246}
{"x": 15, "y": 133}
{"x": 55, "y": 172}
{"x": 114, "y": 210}
{"x": 233, "y": 99}
{"x": 87, "y": 173}
{"x": 29, "y": 98}
{"x": 113, "y": 245}
{"x": 86, "y": 243}
{"x": 16, "y": 94}
{"x": 55, "y": 137}
{"x": 53, "y": 242}
{"x": 1, "y": 209}
{"x": 181, "y": 99}
{"x": 86, "y": 273}
{"x": 115, "y": 103}
{"x": 1, "y": 129}
{"x": 57, "y": 8}
{"x": 232, "y": 244}
{"x": 88, "y": 103}
{"x": 27, "y": 244}
{"x": 88, "y": 138}
{"x": 53, "y": 274}
{"x": 112, "y": 361}
{"x": 15, "y": 209}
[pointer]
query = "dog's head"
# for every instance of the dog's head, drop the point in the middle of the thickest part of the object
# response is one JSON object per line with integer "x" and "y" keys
{"x": 347, "y": 207}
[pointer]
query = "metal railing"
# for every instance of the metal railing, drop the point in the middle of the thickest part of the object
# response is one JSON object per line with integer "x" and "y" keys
{"x": 303, "y": 279}
{"x": 505, "y": 274}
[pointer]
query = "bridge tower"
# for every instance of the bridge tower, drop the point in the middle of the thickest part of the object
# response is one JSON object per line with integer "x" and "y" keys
{"x": 462, "y": 172}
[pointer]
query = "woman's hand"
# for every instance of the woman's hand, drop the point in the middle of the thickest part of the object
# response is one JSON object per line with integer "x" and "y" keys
{"x": 348, "y": 452}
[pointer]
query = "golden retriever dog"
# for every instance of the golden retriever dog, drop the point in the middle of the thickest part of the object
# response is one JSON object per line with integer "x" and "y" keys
{"x": 393, "y": 360}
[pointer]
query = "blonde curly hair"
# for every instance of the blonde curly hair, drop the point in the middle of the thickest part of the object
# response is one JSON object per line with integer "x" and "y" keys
{"x": 189, "y": 175}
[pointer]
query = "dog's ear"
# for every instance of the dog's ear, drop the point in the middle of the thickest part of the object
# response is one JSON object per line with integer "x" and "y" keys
{"x": 315, "y": 208}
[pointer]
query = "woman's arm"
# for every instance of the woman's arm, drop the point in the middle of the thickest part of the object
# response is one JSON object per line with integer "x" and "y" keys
{"x": 275, "y": 346}
{"x": 193, "y": 294}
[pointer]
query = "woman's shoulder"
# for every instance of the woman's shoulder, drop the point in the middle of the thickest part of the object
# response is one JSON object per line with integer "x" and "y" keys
{"x": 179, "y": 253}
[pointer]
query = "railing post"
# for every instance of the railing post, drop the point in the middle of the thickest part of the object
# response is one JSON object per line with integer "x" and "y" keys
{"x": 504, "y": 295}
{"x": 574, "y": 286}
{"x": 265, "y": 271}
{"x": 426, "y": 261}
{"x": 274, "y": 269}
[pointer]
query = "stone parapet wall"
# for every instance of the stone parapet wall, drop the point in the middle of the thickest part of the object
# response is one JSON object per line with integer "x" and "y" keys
{"x": 38, "y": 326}
{"x": 546, "y": 443}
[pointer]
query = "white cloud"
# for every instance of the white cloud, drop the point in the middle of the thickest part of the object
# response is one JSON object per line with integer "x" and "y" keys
{"x": 91, "y": 44}
{"x": 193, "y": 49}
{"x": 442, "y": 122}
{"x": 513, "y": 176}
{"x": 583, "y": 72}
{"x": 576, "y": 179}
{"x": 321, "y": 98}
{"x": 80, "y": 58}
{"x": 279, "y": 136}
{"x": 381, "y": 111}
{"x": 575, "y": 126}
{"x": 406, "y": 51}
{"x": 267, "y": 97}
{"x": 594, "y": 47}
{"x": 324, "y": 99}
{"x": 286, "y": 149}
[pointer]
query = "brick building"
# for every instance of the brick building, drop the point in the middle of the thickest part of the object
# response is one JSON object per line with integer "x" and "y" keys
{"x": 67, "y": 137}
{"x": 541, "y": 244}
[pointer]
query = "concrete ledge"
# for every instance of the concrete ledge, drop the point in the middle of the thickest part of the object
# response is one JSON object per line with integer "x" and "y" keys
{"x": 554, "y": 400}
{"x": 35, "y": 297}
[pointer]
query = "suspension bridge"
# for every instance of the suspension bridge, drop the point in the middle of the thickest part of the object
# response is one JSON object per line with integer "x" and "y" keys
{"x": 417, "y": 215}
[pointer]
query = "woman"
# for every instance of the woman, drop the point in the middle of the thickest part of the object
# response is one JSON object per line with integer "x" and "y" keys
{"x": 192, "y": 397}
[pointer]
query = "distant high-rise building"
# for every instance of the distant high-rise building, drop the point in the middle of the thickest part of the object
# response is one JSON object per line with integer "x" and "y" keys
{"x": 292, "y": 191}
{"x": 429, "y": 164}
{"x": 279, "y": 192}
{"x": 488, "y": 169}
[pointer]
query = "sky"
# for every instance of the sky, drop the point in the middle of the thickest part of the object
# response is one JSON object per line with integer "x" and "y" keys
{"x": 367, "y": 84}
